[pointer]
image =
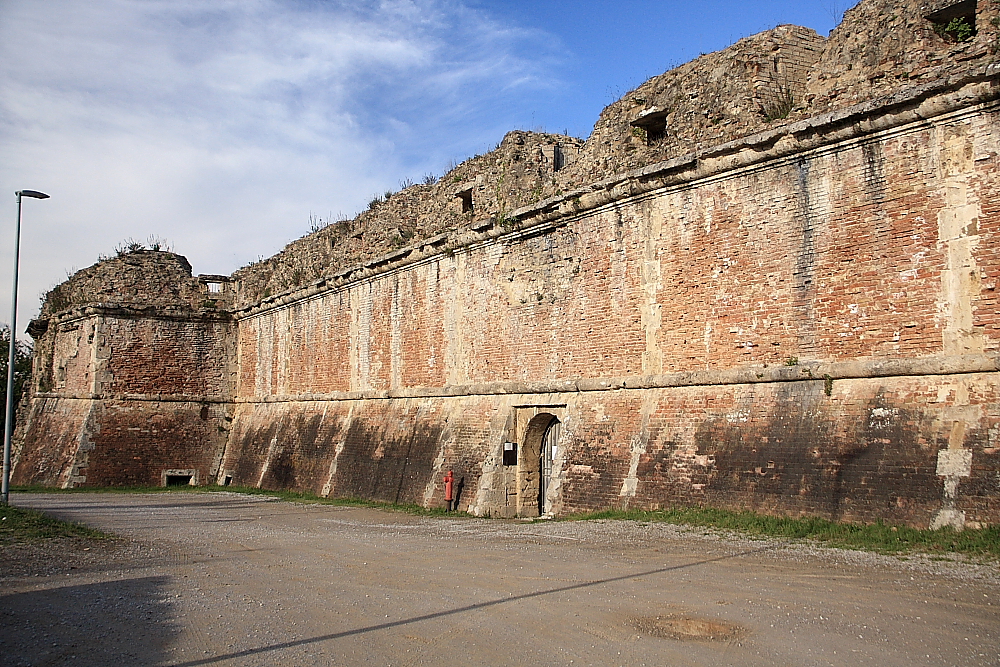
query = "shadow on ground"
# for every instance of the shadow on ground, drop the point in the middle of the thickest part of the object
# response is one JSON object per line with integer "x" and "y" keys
{"x": 123, "y": 622}
{"x": 513, "y": 599}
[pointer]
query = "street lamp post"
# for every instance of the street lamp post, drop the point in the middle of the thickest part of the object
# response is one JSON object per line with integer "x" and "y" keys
{"x": 8, "y": 426}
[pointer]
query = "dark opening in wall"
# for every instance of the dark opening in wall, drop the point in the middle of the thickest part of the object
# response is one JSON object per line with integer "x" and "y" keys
{"x": 510, "y": 453}
{"x": 558, "y": 159}
{"x": 466, "y": 197}
{"x": 179, "y": 480}
{"x": 955, "y": 22}
{"x": 228, "y": 480}
{"x": 651, "y": 125}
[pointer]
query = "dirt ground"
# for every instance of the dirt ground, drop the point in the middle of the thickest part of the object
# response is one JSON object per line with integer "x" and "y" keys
{"x": 224, "y": 579}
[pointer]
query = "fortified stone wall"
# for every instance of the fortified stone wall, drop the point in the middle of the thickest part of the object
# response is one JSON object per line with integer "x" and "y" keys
{"x": 882, "y": 448}
{"x": 787, "y": 284}
{"x": 875, "y": 246}
{"x": 772, "y": 308}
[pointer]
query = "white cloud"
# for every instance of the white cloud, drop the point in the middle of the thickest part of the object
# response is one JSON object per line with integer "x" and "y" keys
{"x": 220, "y": 125}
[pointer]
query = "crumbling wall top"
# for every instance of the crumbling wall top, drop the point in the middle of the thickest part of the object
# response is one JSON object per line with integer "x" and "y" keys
{"x": 767, "y": 80}
{"x": 883, "y": 46}
{"x": 779, "y": 76}
{"x": 713, "y": 99}
{"x": 137, "y": 278}
{"x": 522, "y": 169}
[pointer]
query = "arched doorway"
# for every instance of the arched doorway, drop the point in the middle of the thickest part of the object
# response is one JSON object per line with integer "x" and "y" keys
{"x": 534, "y": 465}
{"x": 550, "y": 444}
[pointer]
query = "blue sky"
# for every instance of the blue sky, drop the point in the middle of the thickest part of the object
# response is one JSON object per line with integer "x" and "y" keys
{"x": 221, "y": 125}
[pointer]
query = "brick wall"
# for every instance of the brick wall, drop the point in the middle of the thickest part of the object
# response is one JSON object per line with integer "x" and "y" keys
{"x": 847, "y": 253}
{"x": 870, "y": 449}
{"x": 122, "y": 399}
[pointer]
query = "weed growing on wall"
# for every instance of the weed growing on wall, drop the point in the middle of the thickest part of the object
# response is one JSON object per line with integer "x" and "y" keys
{"x": 157, "y": 244}
{"x": 955, "y": 30}
{"x": 57, "y": 299}
{"x": 780, "y": 104}
{"x": 130, "y": 245}
{"x": 317, "y": 223}
{"x": 127, "y": 246}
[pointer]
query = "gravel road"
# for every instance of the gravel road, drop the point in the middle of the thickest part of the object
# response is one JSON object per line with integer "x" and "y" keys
{"x": 223, "y": 579}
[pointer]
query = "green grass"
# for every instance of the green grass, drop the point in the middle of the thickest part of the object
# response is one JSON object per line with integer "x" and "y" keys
{"x": 291, "y": 496}
{"x": 878, "y": 537}
{"x": 18, "y": 524}
{"x": 300, "y": 497}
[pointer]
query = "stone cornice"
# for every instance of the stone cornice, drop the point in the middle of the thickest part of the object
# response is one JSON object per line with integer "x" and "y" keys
{"x": 130, "y": 311}
{"x": 807, "y": 371}
{"x": 146, "y": 398}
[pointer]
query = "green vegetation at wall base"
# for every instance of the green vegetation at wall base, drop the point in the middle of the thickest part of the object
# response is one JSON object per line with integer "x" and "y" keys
{"x": 878, "y": 537}
{"x": 18, "y": 524}
{"x": 292, "y": 496}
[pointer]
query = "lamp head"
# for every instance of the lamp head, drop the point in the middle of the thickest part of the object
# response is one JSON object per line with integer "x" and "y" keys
{"x": 31, "y": 193}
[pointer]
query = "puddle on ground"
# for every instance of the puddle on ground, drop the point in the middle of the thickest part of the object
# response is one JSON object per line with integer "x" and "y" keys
{"x": 687, "y": 627}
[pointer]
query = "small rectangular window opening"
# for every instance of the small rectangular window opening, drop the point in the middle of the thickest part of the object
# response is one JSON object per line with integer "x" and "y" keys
{"x": 179, "y": 480}
{"x": 228, "y": 480}
{"x": 956, "y": 22}
{"x": 466, "y": 197}
{"x": 651, "y": 124}
{"x": 558, "y": 159}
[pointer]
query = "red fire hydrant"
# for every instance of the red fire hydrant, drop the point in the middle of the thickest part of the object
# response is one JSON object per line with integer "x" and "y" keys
{"x": 449, "y": 480}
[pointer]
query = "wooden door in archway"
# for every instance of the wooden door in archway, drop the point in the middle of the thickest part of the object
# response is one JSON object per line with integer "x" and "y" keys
{"x": 534, "y": 464}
